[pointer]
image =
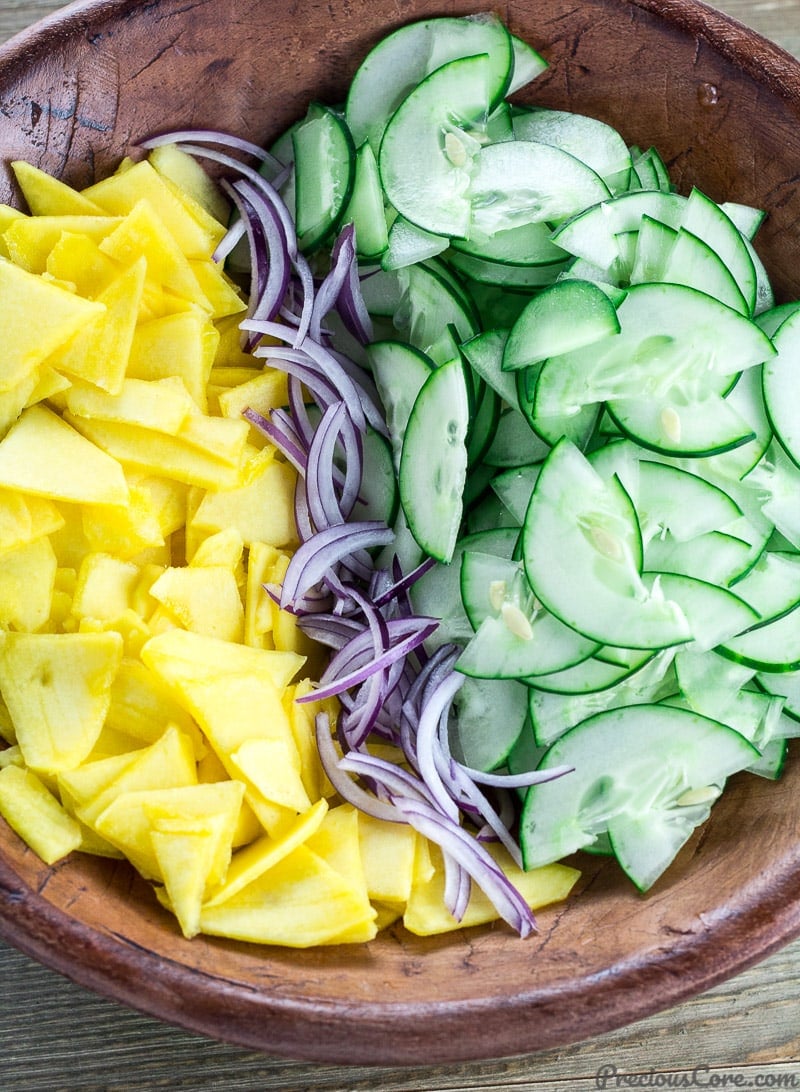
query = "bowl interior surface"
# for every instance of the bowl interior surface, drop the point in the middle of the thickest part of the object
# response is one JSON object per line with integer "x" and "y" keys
{"x": 722, "y": 106}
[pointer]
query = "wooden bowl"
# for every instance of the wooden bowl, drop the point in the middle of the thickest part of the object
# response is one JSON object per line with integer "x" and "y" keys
{"x": 723, "y": 107}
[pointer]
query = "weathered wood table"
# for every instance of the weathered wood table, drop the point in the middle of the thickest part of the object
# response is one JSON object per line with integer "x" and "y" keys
{"x": 745, "y": 1033}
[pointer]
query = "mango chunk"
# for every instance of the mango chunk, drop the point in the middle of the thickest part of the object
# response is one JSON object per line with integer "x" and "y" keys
{"x": 30, "y": 240}
{"x": 31, "y": 810}
{"x": 43, "y": 455}
{"x": 77, "y": 258}
{"x": 130, "y": 818}
{"x": 58, "y": 688}
{"x": 184, "y": 172}
{"x": 141, "y": 232}
{"x": 204, "y": 599}
{"x": 426, "y": 914}
{"x": 168, "y": 763}
{"x": 162, "y": 404}
{"x": 182, "y": 659}
{"x": 27, "y": 582}
{"x": 182, "y": 344}
{"x": 388, "y": 852}
{"x": 46, "y": 195}
{"x": 301, "y": 901}
{"x": 251, "y": 862}
{"x": 182, "y": 457}
{"x": 59, "y": 315}
{"x": 26, "y": 518}
{"x": 272, "y": 766}
{"x": 261, "y": 508}
{"x": 142, "y": 706}
{"x": 98, "y": 354}
{"x": 121, "y": 194}
{"x": 263, "y": 392}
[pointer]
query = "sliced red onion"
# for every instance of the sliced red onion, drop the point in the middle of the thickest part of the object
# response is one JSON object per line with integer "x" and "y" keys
{"x": 268, "y": 189}
{"x": 348, "y": 789}
{"x": 515, "y": 781}
{"x": 473, "y": 858}
{"x": 434, "y": 709}
{"x": 272, "y": 261}
{"x": 279, "y": 430}
{"x": 384, "y": 660}
{"x": 214, "y": 136}
{"x": 457, "y": 886}
{"x": 315, "y": 557}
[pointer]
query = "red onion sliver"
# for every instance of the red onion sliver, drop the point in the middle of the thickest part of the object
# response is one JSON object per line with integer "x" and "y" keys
{"x": 315, "y": 557}
{"x": 472, "y": 857}
{"x": 344, "y": 785}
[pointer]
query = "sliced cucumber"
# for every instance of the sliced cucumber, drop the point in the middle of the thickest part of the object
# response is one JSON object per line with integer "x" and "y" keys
{"x": 521, "y": 182}
{"x": 426, "y": 153}
{"x": 582, "y": 550}
{"x": 433, "y": 460}
{"x": 402, "y": 60}
{"x": 645, "y": 774}
{"x": 567, "y": 316}
{"x": 324, "y": 172}
{"x": 596, "y": 144}
{"x": 489, "y": 717}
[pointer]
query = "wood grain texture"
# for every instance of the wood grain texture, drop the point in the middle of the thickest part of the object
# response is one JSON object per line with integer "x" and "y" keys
{"x": 56, "y": 1035}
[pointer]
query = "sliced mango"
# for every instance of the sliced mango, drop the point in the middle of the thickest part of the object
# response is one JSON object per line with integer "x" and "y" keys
{"x": 43, "y": 455}
{"x": 58, "y": 688}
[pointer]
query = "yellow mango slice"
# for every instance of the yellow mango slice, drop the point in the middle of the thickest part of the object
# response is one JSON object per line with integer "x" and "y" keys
{"x": 160, "y": 404}
{"x": 29, "y": 241}
{"x": 129, "y": 819}
{"x": 182, "y": 659}
{"x": 182, "y": 344}
{"x": 223, "y": 296}
{"x": 169, "y": 763}
{"x": 177, "y": 457}
{"x": 14, "y": 399}
{"x": 142, "y": 706}
{"x": 142, "y": 232}
{"x": 251, "y": 862}
{"x": 204, "y": 599}
{"x": 301, "y": 719}
{"x": 38, "y": 818}
{"x": 105, "y": 587}
{"x": 272, "y": 766}
{"x": 8, "y": 214}
{"x": 263, "y": 392}
{"x": 58, "y": 688}
{"x": 167, "y": 500}
{"x": 225, "y": 549}
{"x": 337, "y": 842}
{"x": 43, "y": 455}
{"x": 26, "y": 518}
{"x": 46, "y": 195}
{"x": 99, "y": 353}
{"x": 59, "y": 314}
{"x": 261, "y": 508}
{"x": 49, "y": 385}
{"x": 426, "y": 913}
{"x": 184, "y": 856}
{"x": 259, "y": 606}
{"x": 301, "y": 901}
{"x": 126, "y": 531}
{"x": 121, "y": 194}
{"x": 27, "y": 581}
{"x": 388, "y": 851}
{"x": 77, "y": 258}
{"x": 184, "y": 172}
